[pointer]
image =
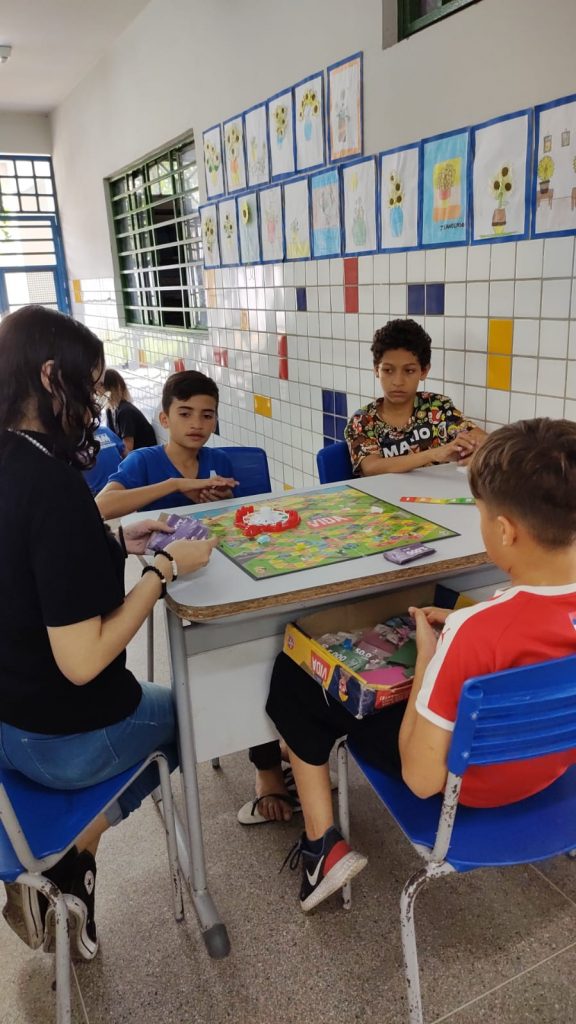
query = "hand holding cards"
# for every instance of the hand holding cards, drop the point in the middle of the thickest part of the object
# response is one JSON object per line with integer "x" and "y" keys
{"x": 185, "y": 528}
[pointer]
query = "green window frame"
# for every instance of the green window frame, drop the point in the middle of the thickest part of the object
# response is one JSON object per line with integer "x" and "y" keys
{"x": 411, "y": 19}
{"x": 155, "y": 225}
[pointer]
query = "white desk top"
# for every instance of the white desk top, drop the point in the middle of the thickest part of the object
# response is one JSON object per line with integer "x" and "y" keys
{"x": 223, "y": 589}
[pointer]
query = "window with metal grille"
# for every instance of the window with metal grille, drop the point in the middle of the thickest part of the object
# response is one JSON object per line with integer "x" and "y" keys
{"x": 414, "y": 15}
{"x": 26, "y": 185}
{"x": 156, "y": 225}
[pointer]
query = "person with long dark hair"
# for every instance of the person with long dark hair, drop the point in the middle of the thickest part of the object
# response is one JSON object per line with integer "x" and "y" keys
{"x": 71, "y": 713}
{"x": 123, "y": 417}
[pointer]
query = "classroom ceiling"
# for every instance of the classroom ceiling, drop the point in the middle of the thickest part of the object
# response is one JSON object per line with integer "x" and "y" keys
{"x": 54, "y": 44}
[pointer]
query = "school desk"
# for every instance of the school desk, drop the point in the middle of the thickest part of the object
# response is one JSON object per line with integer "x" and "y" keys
{"x": 225, "y": 629}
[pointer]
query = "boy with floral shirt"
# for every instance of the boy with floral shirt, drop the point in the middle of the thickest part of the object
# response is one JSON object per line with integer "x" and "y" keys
{"x": 407, "y": 428}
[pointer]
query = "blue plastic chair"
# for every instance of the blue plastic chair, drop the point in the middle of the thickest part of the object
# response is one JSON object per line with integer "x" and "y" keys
{"x": 39, "y": 825}
{"x": 334, "y": 463}
{"x": 508, "y": 716}
{"x": 250, "y": 467}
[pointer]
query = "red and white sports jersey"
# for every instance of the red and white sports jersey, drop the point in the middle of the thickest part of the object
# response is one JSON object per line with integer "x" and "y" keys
{"x": 516, "y": 627}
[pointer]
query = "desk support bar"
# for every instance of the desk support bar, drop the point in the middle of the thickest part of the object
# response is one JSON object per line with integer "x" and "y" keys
{"x": 213, "y": 929}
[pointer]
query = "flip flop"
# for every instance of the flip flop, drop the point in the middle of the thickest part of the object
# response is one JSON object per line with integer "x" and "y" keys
{"x": 249, "y": 813}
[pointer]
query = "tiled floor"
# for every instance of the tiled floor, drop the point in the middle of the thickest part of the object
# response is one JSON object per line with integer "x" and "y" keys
{"x": 495, "y": 946}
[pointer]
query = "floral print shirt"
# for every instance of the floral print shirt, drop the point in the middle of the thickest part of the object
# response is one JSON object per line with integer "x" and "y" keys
{"x": 434, "y": 422}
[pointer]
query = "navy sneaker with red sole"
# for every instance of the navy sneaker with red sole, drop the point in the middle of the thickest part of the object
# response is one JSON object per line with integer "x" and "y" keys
{"x": 326, "y": 871}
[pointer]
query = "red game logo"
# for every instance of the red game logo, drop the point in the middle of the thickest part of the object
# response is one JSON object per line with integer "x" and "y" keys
{"x": 320, "y": 668}
{"x": 321, "y": 522}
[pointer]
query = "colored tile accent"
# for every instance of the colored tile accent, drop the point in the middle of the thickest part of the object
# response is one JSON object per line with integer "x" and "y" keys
{"x": 351, "y": 270}
{"x": 339, "y": 427}
{"x": 416, "y": 299}
{"x": 283, "y": 369}
{"x": 263, "y": 406}
{"x": 142, "y": 357}
{"x": 221, "y": 356}
{"x": 77, "y": 290}
{"x": 301, "y": 300}
{"x": 499, "y": 372}
{"x": 328, "y": 425}
{"x": 328, "y": 401}
{"x": 288, "y": 487}
{"x": 211, "y": 299}
{"x": 434, "y": 299}
{"x": 179, "y": 366}
{"x": 351, "y": 298}
{"x": 500, "y": 334}
{"x": 283, "y": 346}
{"x": 340, "y": 403}
{"x": 244, "y": 320}
{"x": 327, "y": 441}
{"x": 209, "y": 279}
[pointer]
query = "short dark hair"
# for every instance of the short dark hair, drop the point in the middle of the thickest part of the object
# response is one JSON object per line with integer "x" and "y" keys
{"x": 29, "y": 338}
{"x": 528, "y": 470}
{"x": 185, "y": 384}
{"x": 402, "y": 334}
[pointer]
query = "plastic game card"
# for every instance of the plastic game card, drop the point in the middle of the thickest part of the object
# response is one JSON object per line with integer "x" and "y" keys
{"x": 185, "y": 528}
{"x": 408, "y": 553}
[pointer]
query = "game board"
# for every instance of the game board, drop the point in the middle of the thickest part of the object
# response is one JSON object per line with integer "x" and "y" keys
{"x": 338, "y": 524}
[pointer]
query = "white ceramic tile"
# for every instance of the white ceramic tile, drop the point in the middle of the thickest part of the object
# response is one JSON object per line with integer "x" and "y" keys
{"x": 558, "y": 257}
{"x": 556, "y": 295}
{"x": 453, "y": 366}
{"x": 366, "y": 298}
{"x": 338, "y": 325}
{"x": 365, "y": 269}
{"x": 522, "y": 407}
{"x": 572, "y": 340}
{"x": 529, "y": 258}
{"x": 351, "y": 326}
{"x": 352, "y": 380}
{"x": 299, "y": 273}
{"x": 455, "y": 300}
{"x": 570, "y": 409}
{"x": 323, "y": 272}
{"x": 456, "y": 394}
{"x": 434, "y": 326}
{"x": 456, "y": 261}
{"x": 336, "y": 271}
{"x": 381, "y": 299}
{"x": 477, "y": 296}
{"x": 552, "y": 377}
{"x": 325, "y": 325}
{"x": 324, "y": 298}
{"x": 475, "y": 398}
{"x": 524, "y": 374}
{"x": 454, "y": 331}
{"x": 478, "y": 262}
{"x": 416, "y": 266}
{"x": 526, "y": 334}
{"x": 547, "y": 406}
{"x": 502, "y": 262}
{"x": 365, "y": 327}
{"x": 477, "y": 333}
{"x": 501, "y": 298}
{"x": 369, "y": 385}
{"x": 337, "y": 298}
{"x": 311, "y": 271}
{"x": 398, "y": 300}
{"x": 397, "y": 267}
{"x": 340, "y": 378}
{"x": 353, "y": 353}
{"x": 435, "y": 264}
{"x": 381, "y": 268}
{"x": 497, "y": 405}
{"x": 527, "y": 296}
{"x": 553, "y": 339}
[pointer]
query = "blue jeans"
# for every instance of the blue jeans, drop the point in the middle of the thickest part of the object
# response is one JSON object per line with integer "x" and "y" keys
{"x": 83, "y": 759}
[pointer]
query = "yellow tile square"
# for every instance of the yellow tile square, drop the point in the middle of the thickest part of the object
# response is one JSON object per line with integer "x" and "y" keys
{"x": 499, "y": 372}
{"x": 243, "y": 319}
{"x": 263, "y": 405}
{"x": 211, "y": 298}
{"x": 500, "y": 336}
{"x": 77, "y": 290}
{"x": 287, "y": 487}
{"x": 210, "y": 278}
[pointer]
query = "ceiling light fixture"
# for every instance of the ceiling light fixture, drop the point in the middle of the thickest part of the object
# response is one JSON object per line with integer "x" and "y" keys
{"x": 5, "y": 52}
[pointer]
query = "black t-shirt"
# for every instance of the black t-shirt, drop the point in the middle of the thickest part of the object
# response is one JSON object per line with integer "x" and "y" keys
{"x": 127, "y": 421}
{"x": 59, "y": 565}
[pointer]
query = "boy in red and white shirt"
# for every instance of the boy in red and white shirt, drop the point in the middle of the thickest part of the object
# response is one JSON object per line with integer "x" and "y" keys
{"x": 524, "y": 480}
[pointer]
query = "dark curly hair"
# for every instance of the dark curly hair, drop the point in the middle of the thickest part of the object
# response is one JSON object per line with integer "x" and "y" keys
{"x": 31, "y": 337}
{"x": 402, "y": 334}
{"x": 528, "y": 471}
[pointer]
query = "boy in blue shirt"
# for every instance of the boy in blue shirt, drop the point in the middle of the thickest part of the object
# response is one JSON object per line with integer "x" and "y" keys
{"x": 107, "y": 461}
{"x": 178, "y": 473}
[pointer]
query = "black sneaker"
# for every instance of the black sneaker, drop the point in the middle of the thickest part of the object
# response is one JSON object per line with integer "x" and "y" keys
{"x": 80, "y": 900}
{"x": 325, "y": 872}
{"x": 25, "y": 909}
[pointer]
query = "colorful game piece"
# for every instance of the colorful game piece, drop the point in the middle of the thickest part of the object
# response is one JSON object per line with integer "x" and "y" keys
{"x": 440, "y": 501}
{"x": 254, "y": 521}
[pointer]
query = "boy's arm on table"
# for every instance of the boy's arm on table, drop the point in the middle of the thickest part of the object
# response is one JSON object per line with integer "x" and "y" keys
{"x": 455, "y": 451}
{"x": 423, "y": 745}
{"x": 116, "y": 500}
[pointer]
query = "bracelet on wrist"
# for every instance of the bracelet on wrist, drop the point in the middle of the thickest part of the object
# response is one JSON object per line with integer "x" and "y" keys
{"x": 161, "y": 577}
{"x": 172, "y": 560}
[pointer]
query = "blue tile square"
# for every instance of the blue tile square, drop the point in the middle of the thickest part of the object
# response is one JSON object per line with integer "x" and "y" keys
{"x": 328, "y": 425}
{"x": 340, "y": 403}
{"x": 415, "y": 299}
{"x": 327, "y": 401}
{"x": 301, "y": 301}
{"x": 434, "y": 300}
{"x": 327, "y": 441}
{"x": 340, "y": 424}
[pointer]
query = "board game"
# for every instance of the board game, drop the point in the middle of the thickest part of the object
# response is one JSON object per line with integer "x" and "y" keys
{"x": 338, "y": 524}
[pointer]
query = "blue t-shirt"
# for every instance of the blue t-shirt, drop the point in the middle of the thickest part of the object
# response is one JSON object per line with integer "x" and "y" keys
{"x": 107, "y": 461}
{"x": 147, "y": 466}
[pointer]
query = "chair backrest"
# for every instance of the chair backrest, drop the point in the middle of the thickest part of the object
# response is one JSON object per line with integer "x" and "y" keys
{"x": 250, "y": 467}
{"x": 515, "y": 715}
{"x": 334, "y": 463}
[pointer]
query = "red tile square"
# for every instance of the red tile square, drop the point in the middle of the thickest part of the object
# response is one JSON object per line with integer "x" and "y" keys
{"x": 179, "y": 365}
{"x": 351, "y": 270}
{"x": 351, "y": 299}
{"x": 283, "y": 369}
{"x": 282, "y": 346}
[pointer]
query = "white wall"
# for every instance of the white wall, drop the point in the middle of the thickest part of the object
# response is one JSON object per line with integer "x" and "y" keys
{"x": 188, "y": 64}
{"x": 25, "y": 133}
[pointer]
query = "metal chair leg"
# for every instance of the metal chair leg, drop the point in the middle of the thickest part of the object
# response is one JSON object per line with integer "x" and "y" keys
{"x": 215, "y": 762}
{"x": 62, "y": 958}
{"x": 408, "y": 931}
{"x": 170, "y": 829}
{"x": 344, "y": 811}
